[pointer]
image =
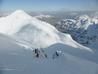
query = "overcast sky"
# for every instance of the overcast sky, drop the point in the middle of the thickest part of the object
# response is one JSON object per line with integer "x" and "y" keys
{"x": 48, "y": 5}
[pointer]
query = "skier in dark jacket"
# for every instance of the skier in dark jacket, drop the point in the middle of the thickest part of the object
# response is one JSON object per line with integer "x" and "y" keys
{"x": 36, "y": 51}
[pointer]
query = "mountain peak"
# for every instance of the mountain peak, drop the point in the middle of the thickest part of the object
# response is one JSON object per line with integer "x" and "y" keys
{"x": 20, "y": 13}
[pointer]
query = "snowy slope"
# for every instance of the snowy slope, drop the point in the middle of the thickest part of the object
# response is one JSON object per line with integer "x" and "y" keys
{"x": 16, "y": 60}
{"x": 31, "y": 32}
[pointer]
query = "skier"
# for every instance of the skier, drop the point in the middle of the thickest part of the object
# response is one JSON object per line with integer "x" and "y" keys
{"x": 36, "y": 51}
{"x": 56, "y": 53}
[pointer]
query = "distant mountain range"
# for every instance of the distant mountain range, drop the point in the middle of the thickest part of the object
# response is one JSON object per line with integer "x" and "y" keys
{"x": 81, "y": 26}
{"x": 83, "y": 29}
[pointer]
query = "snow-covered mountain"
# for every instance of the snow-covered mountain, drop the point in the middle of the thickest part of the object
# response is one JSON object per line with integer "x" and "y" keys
{"x": 47, "y": 51}
{"x": 31, "y": 32}
{"x": 83, "y": 29}
{"x": 42, "y": 16}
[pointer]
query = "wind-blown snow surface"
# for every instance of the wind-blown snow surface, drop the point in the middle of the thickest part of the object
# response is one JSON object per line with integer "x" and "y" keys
{"x": 31, "y": 32}
{"x": 16, "y": 60}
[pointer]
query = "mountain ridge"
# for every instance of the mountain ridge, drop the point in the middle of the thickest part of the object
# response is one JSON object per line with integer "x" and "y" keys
{"x": 33, "y": 32}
